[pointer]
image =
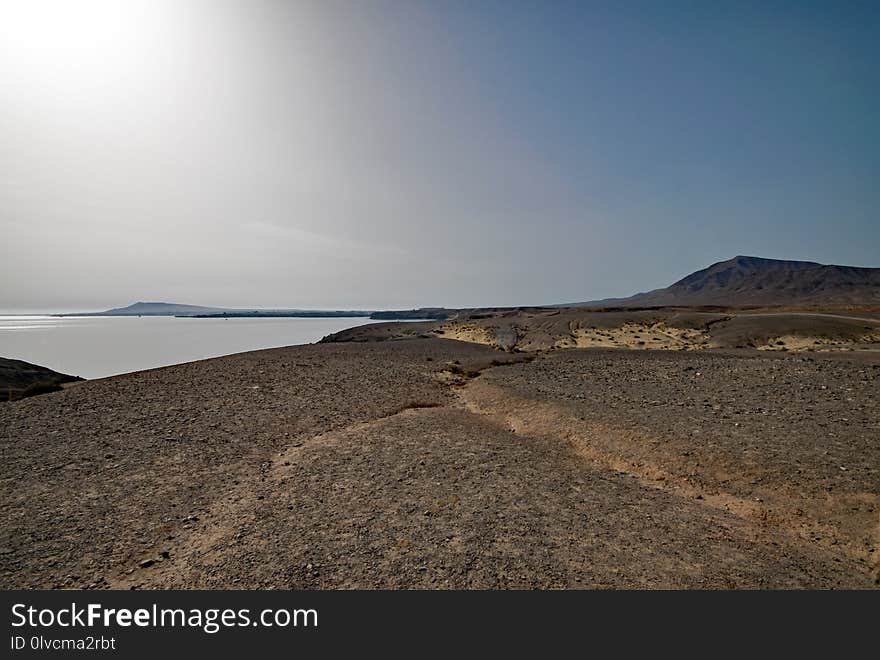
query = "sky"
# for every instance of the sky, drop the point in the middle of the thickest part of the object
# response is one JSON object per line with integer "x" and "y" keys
{"x": 374, "y": 154}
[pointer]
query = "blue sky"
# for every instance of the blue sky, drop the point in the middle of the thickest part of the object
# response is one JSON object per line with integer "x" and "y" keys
{"x": 385, "y": 154}
{"x": 697, "y": 130}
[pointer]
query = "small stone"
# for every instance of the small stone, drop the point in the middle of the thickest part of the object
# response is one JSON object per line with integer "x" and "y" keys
{"x": 146, "y": 563}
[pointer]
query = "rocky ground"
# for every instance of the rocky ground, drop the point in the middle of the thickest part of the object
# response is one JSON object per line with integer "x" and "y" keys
{"x": 429, "y": 463}
{"x": 831, "y": 329}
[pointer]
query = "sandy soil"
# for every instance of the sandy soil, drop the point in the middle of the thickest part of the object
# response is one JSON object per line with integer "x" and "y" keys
{"x": 657, "y": 329}
{"x": 468, "y": 331}
{"x": 428, "y": 463}
{"x": 639, "y": 336}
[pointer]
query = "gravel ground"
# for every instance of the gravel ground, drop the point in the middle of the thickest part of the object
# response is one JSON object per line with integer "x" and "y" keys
{"x": 107, "y": 473}
{"x": 790, "y": 442}
{"x": 429, "y": 463}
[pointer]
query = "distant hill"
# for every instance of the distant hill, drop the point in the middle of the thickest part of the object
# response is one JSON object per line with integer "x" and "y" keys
{"x": 160, "y": 309}
{"x": 758, "y": 281}
{"x": 198, "y": 311}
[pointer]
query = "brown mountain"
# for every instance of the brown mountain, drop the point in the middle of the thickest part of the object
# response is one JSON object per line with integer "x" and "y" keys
{"x": 758, "y": 281}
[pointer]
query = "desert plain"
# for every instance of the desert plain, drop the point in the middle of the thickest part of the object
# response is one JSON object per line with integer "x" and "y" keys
{"x": 554, "y": 448}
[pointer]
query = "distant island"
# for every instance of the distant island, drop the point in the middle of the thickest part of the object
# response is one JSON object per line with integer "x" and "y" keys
{"x": 423, "y": 314}
{"x": 279, "y": 313}
{"x": 200, "y": 311}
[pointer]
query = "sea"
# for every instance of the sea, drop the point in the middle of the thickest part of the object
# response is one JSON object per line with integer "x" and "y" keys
{"x": 100, "y": 346}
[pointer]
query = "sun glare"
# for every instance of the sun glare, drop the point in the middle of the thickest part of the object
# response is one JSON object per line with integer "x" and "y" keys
{"x": 59, "y": 42}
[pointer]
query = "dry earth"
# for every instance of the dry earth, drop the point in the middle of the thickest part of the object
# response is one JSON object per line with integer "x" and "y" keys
{"x": 428, "y": 463}
{"x": 843, "y": 329}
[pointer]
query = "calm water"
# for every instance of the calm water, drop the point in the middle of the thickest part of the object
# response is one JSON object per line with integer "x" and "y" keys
{"x": 94, "y": 347}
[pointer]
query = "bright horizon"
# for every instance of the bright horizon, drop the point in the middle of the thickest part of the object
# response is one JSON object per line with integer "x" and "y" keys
{"x": 45, "y": 312}
{"x": 388, "y": 155}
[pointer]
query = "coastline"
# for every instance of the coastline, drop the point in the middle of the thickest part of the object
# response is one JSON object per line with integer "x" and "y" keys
{"x": 98, "y": 347}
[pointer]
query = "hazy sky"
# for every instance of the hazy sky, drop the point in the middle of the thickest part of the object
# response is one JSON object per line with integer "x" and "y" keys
{"x": 394, "y": 154}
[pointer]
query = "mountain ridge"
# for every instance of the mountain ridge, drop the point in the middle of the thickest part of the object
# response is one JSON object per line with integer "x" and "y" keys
{"x": 748, "y": 280}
